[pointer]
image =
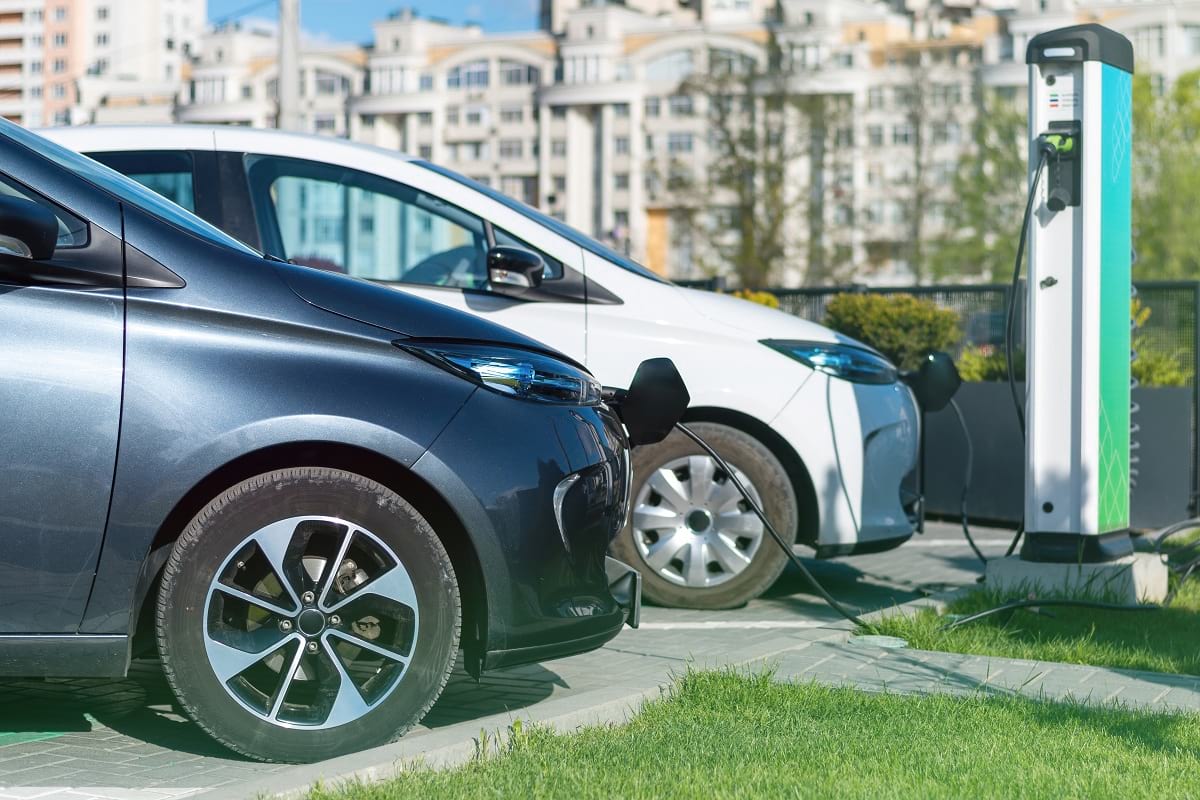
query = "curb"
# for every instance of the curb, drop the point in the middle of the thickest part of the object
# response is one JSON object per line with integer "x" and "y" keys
{"x": 457, "y": 744}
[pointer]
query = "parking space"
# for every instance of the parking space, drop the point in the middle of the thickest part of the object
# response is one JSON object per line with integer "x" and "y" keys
{"x": 128, "y": 739}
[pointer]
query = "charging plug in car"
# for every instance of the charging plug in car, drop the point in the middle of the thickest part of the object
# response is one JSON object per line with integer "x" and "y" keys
{"x": 1061, "y": 146}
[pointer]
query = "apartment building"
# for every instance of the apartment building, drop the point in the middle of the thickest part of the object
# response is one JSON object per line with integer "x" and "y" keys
{"x": 601, "y": 116}
{"x": 72, "y": 61}
{"x": 235, "y": 80}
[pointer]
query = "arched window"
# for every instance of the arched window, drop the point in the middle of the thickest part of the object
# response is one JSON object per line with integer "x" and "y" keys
{"x": 674, "y": 66}
{"x": 473, "y": 74}
{"x": 518, "y": 73}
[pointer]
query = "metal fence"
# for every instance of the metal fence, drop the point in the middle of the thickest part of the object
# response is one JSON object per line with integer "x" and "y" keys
{"x": 1168, "y": 338}
{"x": 1169, "y": 332}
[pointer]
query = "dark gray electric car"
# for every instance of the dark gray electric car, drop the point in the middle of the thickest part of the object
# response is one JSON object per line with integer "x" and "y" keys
{"x": 309, "y": 490}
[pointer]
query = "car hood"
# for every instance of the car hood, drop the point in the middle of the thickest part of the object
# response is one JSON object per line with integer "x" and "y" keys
{"x": 756, "y": 319}
{"x": 396, "y": 310}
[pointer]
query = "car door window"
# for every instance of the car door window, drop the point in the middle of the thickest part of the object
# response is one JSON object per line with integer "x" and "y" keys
{"x": 365, "y": 226}
{"x": 168, "y": 172}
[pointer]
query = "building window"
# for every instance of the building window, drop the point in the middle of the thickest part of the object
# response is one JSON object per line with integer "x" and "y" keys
{"x": 875, "y": 97}
{"x": 425, "y": 118}
{"x": 330, "y": 84}
{"x": 102, "y": 13}
{"x": 560, "y": 183}
{"x": 946, "y": 133}
{"x": 101, "y": 40}
{"x": 621, "y": 219}
{"x": 511, "y": 149}
{"x": 425, "y": 82}
{"x": 474, "y": 151}
{"x": 60, "y": 90}
{"x": 451, "y": 115}
{"x": 247, "y": 92}
{"x": 60, "y": 13}
{"x": 681, "y": 105}
{"x": 516, "y": 73}
{"x": 844, "y": 137}
{"x": 1149, "y": 41}
{"x": 425, "y": 152}
{"x": 947, "y": 94}
{"x": 512, "y": 114}
{"x": 60, "y": 40}
{"x": 902, "y": 134}
{"x": 60, "y": 65}
{"x": 680, "y": 142}
{"x": 35, "y": 67}
{"x": 558, "y": 112}
{"x": 653, "y": 106}
{"x": 325, "y": 123}
{"x": 472, "y": 75}
{"x": 875, "y": 135}
{"x": 621, "y": 181}
{"x": 477, "y": 115}
{"x": 621, "y": 145}
{"x": 558, "y": 148}
{"x": 672, "y": 68}
{"x": 620, "y": 110}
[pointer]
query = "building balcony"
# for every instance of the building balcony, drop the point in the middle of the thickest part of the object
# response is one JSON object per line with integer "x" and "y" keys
{"x": 220, "y": 112}
{"x": 591, "y": 94}
{"x": 381, "y": 104}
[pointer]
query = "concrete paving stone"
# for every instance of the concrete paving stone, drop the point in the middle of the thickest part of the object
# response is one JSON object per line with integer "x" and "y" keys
{"x": 30, "y": 760}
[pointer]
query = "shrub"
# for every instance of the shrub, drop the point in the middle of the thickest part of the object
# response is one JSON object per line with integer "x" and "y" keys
{"x": 1154, "y": 366}
{"x": 902, "y": 327}
{"x": 762, "y": 298}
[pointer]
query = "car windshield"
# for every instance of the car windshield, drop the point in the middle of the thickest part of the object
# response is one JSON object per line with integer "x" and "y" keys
{"x": 124, "y": 189}
{"x": 561, "y": 228}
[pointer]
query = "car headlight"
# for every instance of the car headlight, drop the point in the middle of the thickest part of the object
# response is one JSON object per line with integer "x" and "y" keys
{"x": 854, "y": 364}
{"x": 512, "y": 371}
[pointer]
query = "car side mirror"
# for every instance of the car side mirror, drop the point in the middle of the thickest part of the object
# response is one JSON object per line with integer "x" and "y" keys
{"x": 935, "y": 382}
{"x": 27, "y": 230}
{"x": 513, "y": 270}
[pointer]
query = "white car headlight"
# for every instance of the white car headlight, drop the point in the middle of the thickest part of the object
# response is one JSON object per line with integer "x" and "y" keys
{"x": 854, "y": 364}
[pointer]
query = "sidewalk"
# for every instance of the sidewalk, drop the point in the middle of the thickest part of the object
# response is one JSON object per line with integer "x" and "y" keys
{"x": 127, "y": 740}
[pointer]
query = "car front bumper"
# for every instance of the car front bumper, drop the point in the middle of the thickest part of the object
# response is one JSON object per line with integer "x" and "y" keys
{"x": 541, "y": 491}
{"x": 860, "y": 445}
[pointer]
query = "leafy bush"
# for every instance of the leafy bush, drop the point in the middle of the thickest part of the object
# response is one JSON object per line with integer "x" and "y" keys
{"x": 762, "y": 298}
{"x": 979, "y": 363}
{"x": 902, "y": 327}
{"x": 1153, "y": 366}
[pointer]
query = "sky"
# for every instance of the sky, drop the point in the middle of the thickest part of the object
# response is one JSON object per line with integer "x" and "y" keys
{"x": 350, "y": 20}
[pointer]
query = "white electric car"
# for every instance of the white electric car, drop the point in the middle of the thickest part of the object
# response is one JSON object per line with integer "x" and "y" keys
{"x": 818, "y": 426}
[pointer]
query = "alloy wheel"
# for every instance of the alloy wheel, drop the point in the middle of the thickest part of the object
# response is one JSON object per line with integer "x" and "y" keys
{"x": 310, "y": 622}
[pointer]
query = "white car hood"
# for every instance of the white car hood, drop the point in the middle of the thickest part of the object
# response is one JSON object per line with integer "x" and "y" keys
{"x": 755, "y": 320}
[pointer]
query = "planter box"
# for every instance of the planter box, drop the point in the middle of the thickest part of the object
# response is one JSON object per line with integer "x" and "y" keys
{"x": 1162, "y": 457}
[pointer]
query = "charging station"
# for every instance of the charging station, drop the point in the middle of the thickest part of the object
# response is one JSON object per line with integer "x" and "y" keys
{"x": 1078, "y": 325}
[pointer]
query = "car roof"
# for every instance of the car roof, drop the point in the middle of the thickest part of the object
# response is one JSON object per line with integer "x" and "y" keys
{"x": 106, "y": 138}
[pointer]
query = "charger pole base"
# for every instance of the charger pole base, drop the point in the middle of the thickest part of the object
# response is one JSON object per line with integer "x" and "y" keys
{"x": 1131, "y": 579}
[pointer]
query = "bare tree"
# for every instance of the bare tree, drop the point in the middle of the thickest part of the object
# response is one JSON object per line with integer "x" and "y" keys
{"x": 759, "y": 204}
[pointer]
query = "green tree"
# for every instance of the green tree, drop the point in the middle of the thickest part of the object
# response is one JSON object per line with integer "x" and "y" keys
{"x": 1166, "y": 178}
{"x": 984, "y": 221}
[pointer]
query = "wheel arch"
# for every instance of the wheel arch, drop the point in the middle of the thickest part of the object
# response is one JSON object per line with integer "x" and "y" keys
{"x": 798, "y": 475}
{"x": 331, "y": 455}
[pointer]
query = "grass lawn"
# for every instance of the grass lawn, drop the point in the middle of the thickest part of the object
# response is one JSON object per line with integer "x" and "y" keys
{"x": 1161, "y": 641}
{"x": 719, "y": 734}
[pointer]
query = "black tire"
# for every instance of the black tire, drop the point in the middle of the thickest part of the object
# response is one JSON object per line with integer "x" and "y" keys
{"x": 770, "y": 480}
{"x": 222, "y": 526}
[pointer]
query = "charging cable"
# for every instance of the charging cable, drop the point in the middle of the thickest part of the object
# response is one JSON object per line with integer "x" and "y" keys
{"x": 829, "y": 599}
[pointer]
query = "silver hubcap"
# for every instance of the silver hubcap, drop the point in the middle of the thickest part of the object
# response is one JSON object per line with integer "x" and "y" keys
{"x": 311, "y": 622}
{"x": 692, "y": 526}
